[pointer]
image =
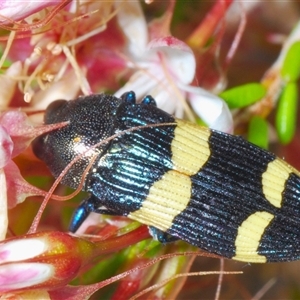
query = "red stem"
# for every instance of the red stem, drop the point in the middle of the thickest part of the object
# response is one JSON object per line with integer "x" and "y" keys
{"x": 206, "y": 28}
{"x": 121, "y": 242}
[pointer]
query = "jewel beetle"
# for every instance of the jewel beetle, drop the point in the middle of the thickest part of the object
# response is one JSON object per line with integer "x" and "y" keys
{"x": 211, "y": 189}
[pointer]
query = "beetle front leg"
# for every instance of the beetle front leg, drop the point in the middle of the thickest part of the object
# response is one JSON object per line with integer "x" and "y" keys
{"x": 87, "y": 206}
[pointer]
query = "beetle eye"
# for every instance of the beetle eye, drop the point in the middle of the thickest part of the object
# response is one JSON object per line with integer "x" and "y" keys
{"x": 38, "y": 147}
{"x": 52, "y": 109}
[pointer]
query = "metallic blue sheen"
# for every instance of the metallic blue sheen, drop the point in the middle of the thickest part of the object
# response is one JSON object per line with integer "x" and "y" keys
{"x": 149, "y": 100}
{"x": 80, "y": 214}
{"x": 129, "y": 97}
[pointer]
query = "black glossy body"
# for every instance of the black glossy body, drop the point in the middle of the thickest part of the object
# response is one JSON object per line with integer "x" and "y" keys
{"x": 126, "y": 167}
{"x": 225, "y": 192}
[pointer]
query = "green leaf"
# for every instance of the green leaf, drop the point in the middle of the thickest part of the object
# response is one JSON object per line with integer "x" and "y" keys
{"x": 258, "y": 132}
{"x": 244, "y": 95}
{"x": 201, "y": 122}
{"x": 286, "y": 115}
{"x": 290, "y": 70}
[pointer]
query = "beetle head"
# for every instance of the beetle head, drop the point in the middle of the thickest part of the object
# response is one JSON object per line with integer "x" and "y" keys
{"x": 91, "y": 120}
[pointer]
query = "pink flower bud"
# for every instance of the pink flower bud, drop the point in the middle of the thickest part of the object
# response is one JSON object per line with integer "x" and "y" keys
{"x": 42, "y": 260}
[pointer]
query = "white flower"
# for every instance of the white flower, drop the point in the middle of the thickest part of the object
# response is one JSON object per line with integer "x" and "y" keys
{"x": 166, "y": 69}
{"x": 16, "y": 10}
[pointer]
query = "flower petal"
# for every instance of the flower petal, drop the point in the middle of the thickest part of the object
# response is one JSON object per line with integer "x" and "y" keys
{"x": 211, "y": 109}
{"x": 3, "y": 206}
{"x": 132, "y": 20}
{"x": 62, "y": 89}
{"x": 18, "y": 189}
{"x": 140, "y": 82}
{"x": 17, "y": 250}
{"x": 19, "y": 128}
{"x": 6, "y": 147}
{"x": 17, "y": 10}
{"x": 8, "y": 83}
{"x": 177, "y": 55}
{"x": 169, "y": 102}
{"x": 22, "y": 275}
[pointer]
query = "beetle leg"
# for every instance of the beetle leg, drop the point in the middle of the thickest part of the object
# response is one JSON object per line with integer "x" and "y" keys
{"x": 84, "y": 209}
{"x": 161, "y": 236}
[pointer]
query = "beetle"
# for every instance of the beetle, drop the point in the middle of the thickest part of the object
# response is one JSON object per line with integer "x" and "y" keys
{"x": 211, "y": 189}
